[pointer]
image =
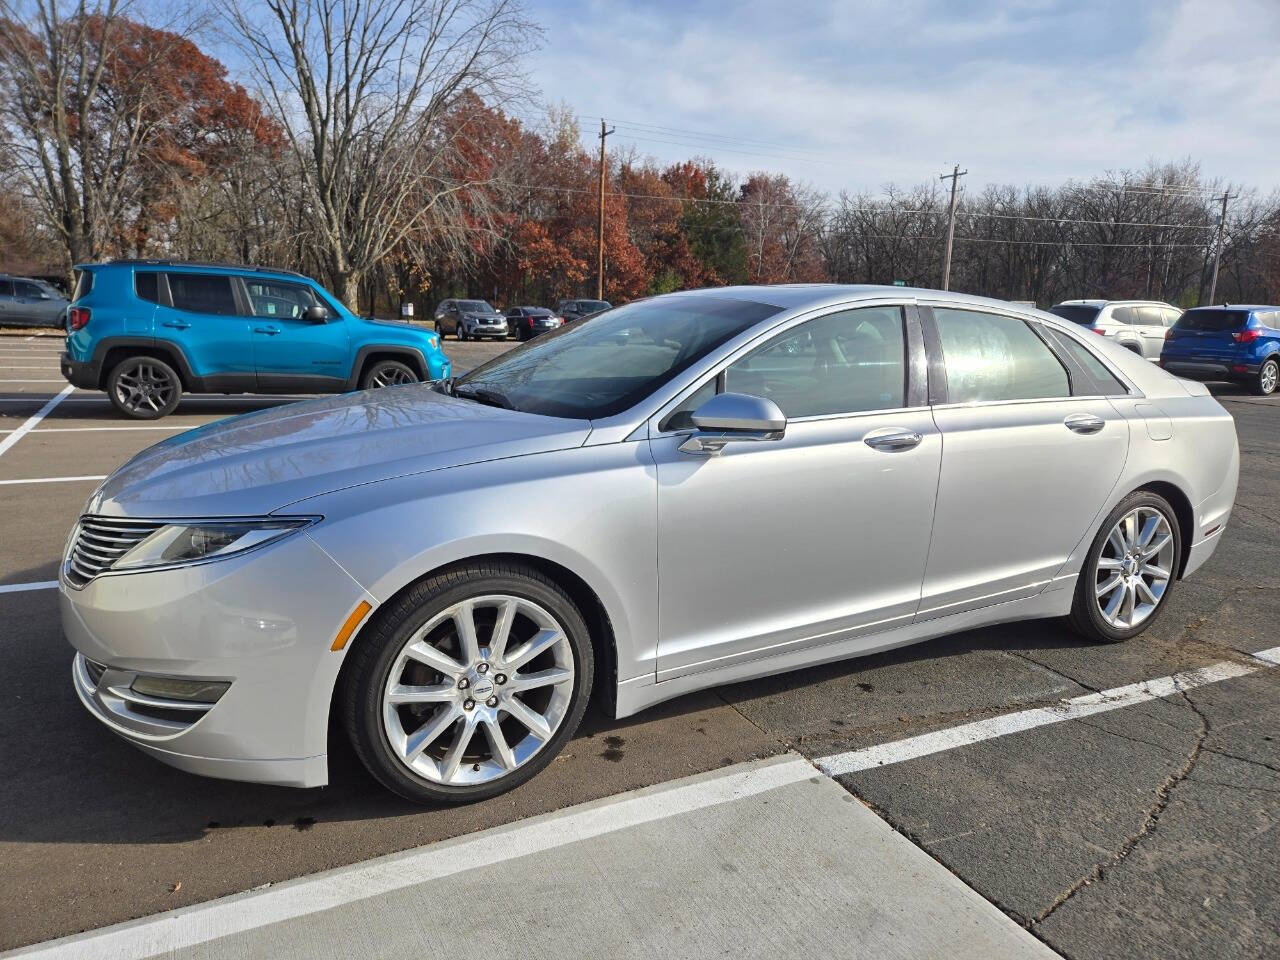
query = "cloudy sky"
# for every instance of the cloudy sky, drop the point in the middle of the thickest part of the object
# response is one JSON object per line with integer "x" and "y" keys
{"x": 863, "y": 92}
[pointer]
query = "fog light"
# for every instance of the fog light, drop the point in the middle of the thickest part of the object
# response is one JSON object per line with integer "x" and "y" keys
{"x": 171, "y": 688}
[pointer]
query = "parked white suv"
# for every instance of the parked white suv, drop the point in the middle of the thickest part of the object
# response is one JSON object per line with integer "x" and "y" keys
{"x": 1137, "y": 325}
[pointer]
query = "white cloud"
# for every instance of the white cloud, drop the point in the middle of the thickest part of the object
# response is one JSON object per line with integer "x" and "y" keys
{"x": 897, "y": 90}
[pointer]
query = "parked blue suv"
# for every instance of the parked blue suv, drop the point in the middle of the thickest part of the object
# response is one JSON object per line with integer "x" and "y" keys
{"x": 147, "y": 330}
{"x": 1236, "y": 343}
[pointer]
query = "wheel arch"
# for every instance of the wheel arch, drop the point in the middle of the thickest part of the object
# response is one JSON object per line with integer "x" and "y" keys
{"x": 588, "y": 602}
{"x": 114, "y": 351}
{"x": 1183, "y": 512}
{"x": 372, "y": 353}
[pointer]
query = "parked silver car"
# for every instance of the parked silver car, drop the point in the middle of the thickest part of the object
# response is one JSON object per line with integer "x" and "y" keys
{"x": 1137, "y": 325}
{"x": 681, "y": 492}
{"x": 25, "y": 302}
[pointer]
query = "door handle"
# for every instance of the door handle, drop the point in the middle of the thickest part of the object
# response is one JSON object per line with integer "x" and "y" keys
{"x": 177, "y": 324}
{"x": 269, "y": 331}
{"x": 890, "y": 439}
{"x": 1084, "y": 423}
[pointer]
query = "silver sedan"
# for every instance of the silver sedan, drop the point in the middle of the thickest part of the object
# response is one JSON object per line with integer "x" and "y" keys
{"x": 685, "y": 491}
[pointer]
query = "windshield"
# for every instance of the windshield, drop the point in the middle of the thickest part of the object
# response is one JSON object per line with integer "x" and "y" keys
{"x": 1076, "y": 313}
{"x": 592, "y": 306}
{"x": 475, "y": 306}
{"x": 607, "y": 363}
{"x": 1212, "y": 321}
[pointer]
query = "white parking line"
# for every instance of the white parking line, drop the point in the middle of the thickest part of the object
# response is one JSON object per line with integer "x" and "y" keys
{"x": 176, "y": 426}
{"x": 30, "y": 380}
{"x": 23, "y": 587}
{"x": 101, "y": 476}
{"x": 885, "y": 754}
{"x": 30, "y": 425}
{"x": 220, "y": 918}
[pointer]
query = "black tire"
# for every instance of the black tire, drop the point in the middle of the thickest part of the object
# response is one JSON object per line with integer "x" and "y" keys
{"x": 144, "y": 388}
{"x": 1263, "y": 385}
{"x": 1086, "y": 618}
{"x": 379, "y": 644}
{"x": 387, "y": 373}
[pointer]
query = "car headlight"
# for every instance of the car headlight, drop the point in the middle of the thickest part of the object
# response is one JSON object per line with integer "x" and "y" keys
{"x": 176, "y": 544}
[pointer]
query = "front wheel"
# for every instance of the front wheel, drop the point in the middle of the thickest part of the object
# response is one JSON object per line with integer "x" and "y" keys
{"x": 469, "y": 683}
{"x": 387, "y": 373}
{"x": 1130, "y": 570}
{"x": 1267, "y": 380}
{"x": 144, "y": 388}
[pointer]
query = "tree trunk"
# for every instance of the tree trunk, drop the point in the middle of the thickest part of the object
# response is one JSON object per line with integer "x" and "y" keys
{"x": 348, "y": 288}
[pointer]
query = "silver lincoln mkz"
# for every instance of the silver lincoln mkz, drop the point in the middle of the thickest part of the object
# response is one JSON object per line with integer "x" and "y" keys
{"x": 684, "y": 491}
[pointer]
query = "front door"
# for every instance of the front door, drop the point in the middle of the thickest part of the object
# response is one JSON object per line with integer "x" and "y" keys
{"x": 1026, "y": 463}
{"x": 778, "y": 545}
{"x": 290, "y": 353}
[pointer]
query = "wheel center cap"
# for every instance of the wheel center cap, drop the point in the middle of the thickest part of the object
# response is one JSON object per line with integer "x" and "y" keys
{"x": 482, "y": 687}
{"x": 1129, "y": 565}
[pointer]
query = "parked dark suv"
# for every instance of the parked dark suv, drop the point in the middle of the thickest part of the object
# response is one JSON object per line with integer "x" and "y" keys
{"x": 147, "y": 330}
{"x": 577, "y": 309}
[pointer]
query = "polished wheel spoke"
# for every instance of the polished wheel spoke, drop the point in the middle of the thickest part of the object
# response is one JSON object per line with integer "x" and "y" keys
{"x": 1155, "y": 546}
{"x": 430, "y": 732}
{"x": 464, "y": 620}
{"x": 542, "y": 641}
{"x": 535, "y": 722}
{"x": 1151, "y": 570}
{"x": 1149, "y": 530}
{"x": 1141, "y": 587}
{"x": 436, "y": 659}
{"x": 1110, "y": 585}
{"x": 430, "y": 693}
{"x": 1108, "y": 563}
{"x": 498, "y": 745}
{"x": 502, "y": 629}
{"x": 543, "y": 678}
{"x": 461, "y": 740}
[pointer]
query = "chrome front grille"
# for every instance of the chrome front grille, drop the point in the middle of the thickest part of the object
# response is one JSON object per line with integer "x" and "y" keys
{"x": 101, "y": 541}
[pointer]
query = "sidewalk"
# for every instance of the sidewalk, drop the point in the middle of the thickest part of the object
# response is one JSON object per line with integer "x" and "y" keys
{"x": 766, "y": 859}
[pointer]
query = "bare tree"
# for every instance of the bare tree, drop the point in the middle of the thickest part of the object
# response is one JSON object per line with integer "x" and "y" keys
{"x": 361, "y": 88}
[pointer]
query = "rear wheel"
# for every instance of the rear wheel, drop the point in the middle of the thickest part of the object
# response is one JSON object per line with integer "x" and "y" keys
{"x": 1130, "y": 570}
{"x": 144, "y": 388}
{"x": 469, "y": 683}
{"x": 387, "y": 373}
{"x": 1268, "y": 379}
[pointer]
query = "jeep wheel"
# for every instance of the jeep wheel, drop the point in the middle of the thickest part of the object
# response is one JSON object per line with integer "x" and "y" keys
{"x": 144, "y": 388}
{"x": 387, "y": 373}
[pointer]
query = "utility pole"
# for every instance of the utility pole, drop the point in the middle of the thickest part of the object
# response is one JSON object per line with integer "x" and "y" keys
{"x": 954, "y": 176}
{"x": 1217, "y": 249}
{"x": 600, "y": 226}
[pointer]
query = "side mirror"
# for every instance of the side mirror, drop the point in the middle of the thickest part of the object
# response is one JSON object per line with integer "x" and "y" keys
{"x": 727, "y": 417}
{"x": 316, "y": 313}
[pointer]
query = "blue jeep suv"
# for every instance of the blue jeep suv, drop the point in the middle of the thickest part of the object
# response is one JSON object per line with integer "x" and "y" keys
{"x": 147, "y": 330}
{"x": 1236, "y": 343}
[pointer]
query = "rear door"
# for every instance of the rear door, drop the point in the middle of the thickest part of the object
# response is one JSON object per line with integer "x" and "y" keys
{"x": 1151, "y": 328}
{"x": 200, "y": 314}
{"x": 1030, "y": 452}
{"x": 6, "y": 300}
{"x": 291, "y": 353}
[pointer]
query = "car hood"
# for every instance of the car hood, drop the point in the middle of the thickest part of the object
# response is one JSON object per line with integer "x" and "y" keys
{"x": 254, "y": 464}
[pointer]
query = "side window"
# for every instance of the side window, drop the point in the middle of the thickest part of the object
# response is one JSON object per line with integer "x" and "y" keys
{"x": 990, "y": 356}
{"x": 1150, "y": 316}
{"x": 274, "y": 298}
{"x": 6, "y": 288}
{"x": 1170, "y": 316}
{"x": 845, "y": 362}
{"x": 147, "y": 286}
{"x": 25, "y": 288}
{"x": 1124, "y": 315}
{"x": 202, "y": 293}
{"x": 1104, "y": 378}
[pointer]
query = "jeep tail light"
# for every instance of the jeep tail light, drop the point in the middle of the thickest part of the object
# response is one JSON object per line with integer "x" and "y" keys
{"x": 1245, "y": 336}
{"x": 78, "y": 317}
{"x": 1099, "y": 331}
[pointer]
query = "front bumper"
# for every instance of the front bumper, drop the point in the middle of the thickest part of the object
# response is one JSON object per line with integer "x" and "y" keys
{"x": 262, "y": 622}
{"x": 77, "y": 373}
{"x": 474, "y": 329}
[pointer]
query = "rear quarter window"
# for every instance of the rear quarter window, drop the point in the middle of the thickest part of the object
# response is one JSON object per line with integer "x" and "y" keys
{"x": 84, "y": 285}
{"x": 147, "y": 286}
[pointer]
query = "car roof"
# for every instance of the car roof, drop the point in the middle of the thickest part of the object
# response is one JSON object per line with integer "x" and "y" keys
{"x": 200, "y": 266}
{"x": 1237, "y": 306}
{"x": 1104, "y": 303}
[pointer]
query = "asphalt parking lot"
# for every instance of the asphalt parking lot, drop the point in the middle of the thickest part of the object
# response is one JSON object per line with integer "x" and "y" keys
{"x": 1148, "y": 829}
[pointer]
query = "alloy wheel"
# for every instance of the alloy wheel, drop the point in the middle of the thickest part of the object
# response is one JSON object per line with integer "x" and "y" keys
{"x": 390, "y": 375}
{"x": 1269, "y": 377}
{"x": 1134, "y": 567}
{"x": 478, "y": 690}
{"x": 144, "y": 387}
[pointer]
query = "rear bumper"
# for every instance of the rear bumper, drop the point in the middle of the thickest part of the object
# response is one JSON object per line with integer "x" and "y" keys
{"x": 83, "y": 375}
{"x": 1207, "y": 369}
